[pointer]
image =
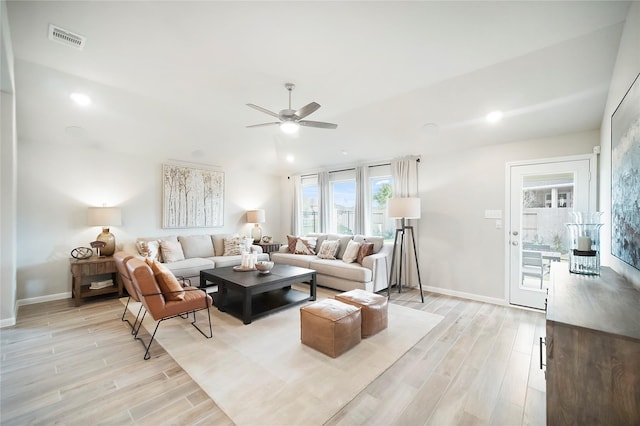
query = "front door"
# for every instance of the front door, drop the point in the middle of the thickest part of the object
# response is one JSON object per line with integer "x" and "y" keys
{"x": 541, "y": 195}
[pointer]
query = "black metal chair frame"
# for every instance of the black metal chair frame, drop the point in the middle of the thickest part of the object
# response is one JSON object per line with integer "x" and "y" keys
{"x": 193, "y": 323}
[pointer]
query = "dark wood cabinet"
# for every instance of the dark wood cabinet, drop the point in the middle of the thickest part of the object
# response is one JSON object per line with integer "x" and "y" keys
{"x": 593, "y": 349}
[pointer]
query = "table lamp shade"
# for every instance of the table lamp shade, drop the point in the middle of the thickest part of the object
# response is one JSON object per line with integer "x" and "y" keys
{"x": 256, "y": 216}
{"x": 407, "y": 208}
{"x": 105, "y": 217}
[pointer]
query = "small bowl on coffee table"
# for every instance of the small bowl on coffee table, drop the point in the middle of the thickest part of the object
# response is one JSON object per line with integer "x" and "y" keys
{"x": 264, "y": 266}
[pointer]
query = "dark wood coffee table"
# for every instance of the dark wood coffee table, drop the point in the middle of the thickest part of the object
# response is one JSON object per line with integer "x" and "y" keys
{"x": 250, "y": 295}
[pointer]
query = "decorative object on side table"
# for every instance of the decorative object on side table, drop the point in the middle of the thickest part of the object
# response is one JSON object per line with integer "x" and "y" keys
{"x": 257, "y": 217}
{"x": 81, "y": 253}
{"x": 98, "y": 245}
{"x": 105, "y": 217}
{"x": 584, "y": 240}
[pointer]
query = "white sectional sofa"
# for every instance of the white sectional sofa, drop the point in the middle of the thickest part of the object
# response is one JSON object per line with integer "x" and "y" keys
{"x": 372, "y": 275}
{"x": 199, "y": 252}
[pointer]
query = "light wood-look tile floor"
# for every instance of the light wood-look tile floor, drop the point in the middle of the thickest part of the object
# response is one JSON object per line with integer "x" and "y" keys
{"x": 63, "y": 364}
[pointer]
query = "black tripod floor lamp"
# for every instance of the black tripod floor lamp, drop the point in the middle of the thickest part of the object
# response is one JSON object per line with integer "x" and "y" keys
{"x": 403, "y": 209}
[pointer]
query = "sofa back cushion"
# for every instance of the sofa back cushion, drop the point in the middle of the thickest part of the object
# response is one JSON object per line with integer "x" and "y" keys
{"x": 196, "y": 246}
{"x": 171, "y": 250}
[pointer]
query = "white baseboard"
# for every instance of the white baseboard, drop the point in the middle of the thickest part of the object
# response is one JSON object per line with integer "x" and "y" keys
{"x": 464, "y": 295}
{"x": 40, "y": 299}
{"x": 7, "y": 322}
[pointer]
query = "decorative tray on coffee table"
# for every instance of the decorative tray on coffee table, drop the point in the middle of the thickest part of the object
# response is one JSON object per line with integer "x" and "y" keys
{"x": 243, "y": 269}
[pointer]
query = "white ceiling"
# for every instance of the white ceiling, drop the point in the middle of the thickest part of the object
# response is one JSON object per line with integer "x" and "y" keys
{"x": 173, "y": 77}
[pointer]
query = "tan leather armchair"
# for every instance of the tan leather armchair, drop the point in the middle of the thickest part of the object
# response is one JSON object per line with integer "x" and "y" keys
{"x": 121, "y": 258}
{"x": 160, "y": 309}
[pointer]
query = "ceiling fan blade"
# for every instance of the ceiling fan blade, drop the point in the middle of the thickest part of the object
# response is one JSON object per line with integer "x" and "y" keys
{"x": 319, "y": 124}
{"x": 264, "y": 124}
{"x": 266, "y": 111}
{"x": 307, "y": 109}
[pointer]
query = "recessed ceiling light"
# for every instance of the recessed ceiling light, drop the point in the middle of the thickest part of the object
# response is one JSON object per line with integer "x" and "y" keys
{"x": 290, "y": 158}
{"x": 494, "y": 116}
{"x": 80, "y": 98}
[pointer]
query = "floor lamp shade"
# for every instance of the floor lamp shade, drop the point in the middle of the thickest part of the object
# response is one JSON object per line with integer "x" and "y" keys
{"x": 105, "y": 217}
{"x": 406, "y": 208}
{"x": 257, "y": 217}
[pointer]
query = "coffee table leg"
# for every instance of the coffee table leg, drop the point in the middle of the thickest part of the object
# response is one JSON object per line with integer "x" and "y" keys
{"x": 222, "y": 296}
{"x": 313, "y": 287}
{"x": 246, "y": 308}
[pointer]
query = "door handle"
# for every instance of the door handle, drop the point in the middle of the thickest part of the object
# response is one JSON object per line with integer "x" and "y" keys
{"x": 515, "y": 233}
{"x": 514, "y": 243}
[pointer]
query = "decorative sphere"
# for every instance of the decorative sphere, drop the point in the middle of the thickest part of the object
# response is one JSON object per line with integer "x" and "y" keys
{"x": 264, "y": 266}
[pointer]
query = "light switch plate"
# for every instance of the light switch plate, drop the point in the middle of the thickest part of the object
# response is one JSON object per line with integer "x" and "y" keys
{"x": 493, "y": 214}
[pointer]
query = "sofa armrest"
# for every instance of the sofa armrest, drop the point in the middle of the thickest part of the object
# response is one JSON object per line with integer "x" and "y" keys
{"x": 256, "y": 249}
{"x": 380, "y": 265}
{"x": 283, "y": 249}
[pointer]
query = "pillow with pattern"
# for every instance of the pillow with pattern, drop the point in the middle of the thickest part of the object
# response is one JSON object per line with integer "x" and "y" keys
{"x": 328, "y": 249}
{"x": 233, "y": 246}
{"x": 148, "y": 249}
{"x": 301, "y": 245}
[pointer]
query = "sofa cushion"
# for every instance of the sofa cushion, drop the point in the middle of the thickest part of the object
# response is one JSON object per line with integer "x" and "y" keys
{"x": 351, "y": 253}
{"x": 171, "y": 251}
{"x": 347, "y": 271}
{"x": 328, "y": 249}
{"x": 378, "y": 242}
{"x": 301, "y": 245}
{"x": 299, "y": 260}
{"x": 319, "y": 239}
{"x": 344, "y": 240}
{"x": 196, "y": 246}
{"x": 232, "y": 246}
{"x": 190, "y": 267}
{"x": 366, "y": 249}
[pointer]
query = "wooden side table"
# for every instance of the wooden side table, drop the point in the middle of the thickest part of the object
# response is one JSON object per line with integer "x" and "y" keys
{"x": 269, "y": 247}
{"x": 83, "y": 269}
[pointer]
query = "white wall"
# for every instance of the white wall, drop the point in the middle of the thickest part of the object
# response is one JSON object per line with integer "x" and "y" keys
{"x": 8, "y": 166}
{"x": 56, "y": 184}
{"x": 462, "y": 253}
{"x": 626, "y": 69}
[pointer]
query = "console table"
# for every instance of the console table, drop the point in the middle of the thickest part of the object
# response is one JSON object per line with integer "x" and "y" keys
{"x": 83, "y": 269}
{"x": 593, "y": 349}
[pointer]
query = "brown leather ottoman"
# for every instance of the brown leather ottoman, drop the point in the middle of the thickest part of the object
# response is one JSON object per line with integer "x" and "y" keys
{"x": 374, "y": 309}
{"x": 330, "y": 326}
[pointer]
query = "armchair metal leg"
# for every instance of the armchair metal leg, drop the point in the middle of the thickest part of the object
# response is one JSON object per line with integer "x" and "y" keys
{"x": 133, "y": 326}
{"x": 193, "y": 323}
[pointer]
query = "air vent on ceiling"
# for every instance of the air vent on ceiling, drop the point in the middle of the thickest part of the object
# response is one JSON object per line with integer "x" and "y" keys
{"x": 66, "y": 37}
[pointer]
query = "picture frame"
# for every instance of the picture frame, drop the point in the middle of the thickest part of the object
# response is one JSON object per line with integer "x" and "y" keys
{"x": 625, "y": 177}
{"x": 192, "y": 197}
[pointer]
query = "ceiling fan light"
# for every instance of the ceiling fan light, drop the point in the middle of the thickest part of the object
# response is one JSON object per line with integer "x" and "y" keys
{"x": 289, "y": 127}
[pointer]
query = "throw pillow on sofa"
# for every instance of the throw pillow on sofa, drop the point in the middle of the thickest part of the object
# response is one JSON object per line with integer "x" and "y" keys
{"x": 301, "y": 245}
{"x": 233, "y": 246}
{"x": 196, "y": 246}
{"x": 328, "y": 249}
{"x": 148, "y": 249}
{"x": 171, "y": 251}
{"x": 366, "y": 249}
{"x": 351, "y": 253}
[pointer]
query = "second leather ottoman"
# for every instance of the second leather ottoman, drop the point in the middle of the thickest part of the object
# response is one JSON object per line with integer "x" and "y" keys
{"x": 330, "y": 326}
{"x": 374, "y": 309}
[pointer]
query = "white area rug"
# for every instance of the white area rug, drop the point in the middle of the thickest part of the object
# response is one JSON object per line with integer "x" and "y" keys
{"x": 260, "y": 374}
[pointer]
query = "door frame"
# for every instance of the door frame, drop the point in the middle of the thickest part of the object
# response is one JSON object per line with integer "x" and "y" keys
{"x": 593, "y": 203}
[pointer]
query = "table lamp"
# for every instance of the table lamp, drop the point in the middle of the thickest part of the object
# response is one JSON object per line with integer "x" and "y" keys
{"x": 257, "y": 217}
{"x": 105, "y": 217}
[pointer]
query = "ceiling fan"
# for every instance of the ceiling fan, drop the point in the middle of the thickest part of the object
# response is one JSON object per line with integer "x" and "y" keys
{"x": 291, "y": 120}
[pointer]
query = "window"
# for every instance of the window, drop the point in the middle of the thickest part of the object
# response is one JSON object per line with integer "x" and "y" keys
{"x": 310, "y": 216}
{"x": 381, "y": 189}
{"x": 343, "y": 202}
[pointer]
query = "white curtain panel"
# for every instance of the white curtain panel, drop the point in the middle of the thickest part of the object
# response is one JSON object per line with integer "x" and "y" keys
{"x": 361, "y": 224}
{"x": 296, "y": 223}
{"x": 405, "y": 184}
{"x": 324, "y": 201}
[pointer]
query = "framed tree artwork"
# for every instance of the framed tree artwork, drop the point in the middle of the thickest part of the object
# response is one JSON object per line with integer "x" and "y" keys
{"x": 625, "y": 177}
{"x": 193, "y": 197}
